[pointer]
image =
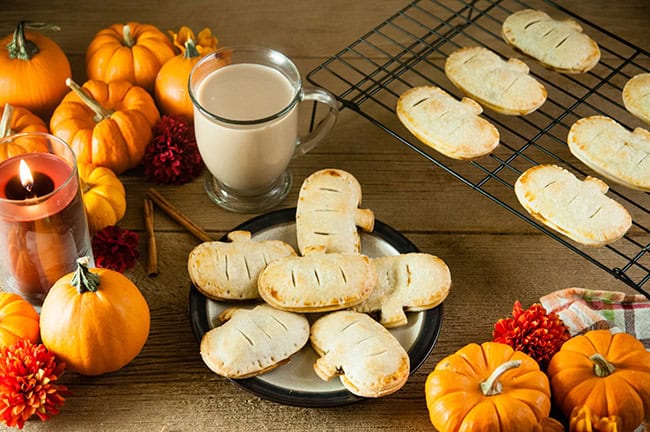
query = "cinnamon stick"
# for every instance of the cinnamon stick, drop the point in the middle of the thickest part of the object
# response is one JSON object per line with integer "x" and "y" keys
{"x": 177, "y": 215}
{"x": 152, "y": 251}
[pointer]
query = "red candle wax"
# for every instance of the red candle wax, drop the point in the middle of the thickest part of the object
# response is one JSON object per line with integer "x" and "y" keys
{"x": 46, "y": 231}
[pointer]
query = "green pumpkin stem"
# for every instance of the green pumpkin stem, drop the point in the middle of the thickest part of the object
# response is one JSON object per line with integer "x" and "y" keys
{"x": 127, "y": 36}
{"x": 492, "y": 386}
{"x": 5, "y": 121}
{"x": 83, "y": 279}
{"x": 23, "y": 48}
{"x": 190, "y": 49}
{"x": 101, "y": 113}
{"x": 602, "y": 367}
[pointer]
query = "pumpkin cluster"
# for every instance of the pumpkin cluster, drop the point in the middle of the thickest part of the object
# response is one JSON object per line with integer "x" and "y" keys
{"x": 599, "y": 381}
{"x": 135, "y": 73}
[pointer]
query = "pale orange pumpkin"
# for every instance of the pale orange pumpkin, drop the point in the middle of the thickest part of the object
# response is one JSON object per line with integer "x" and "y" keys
{"x": 608, "y": 373}
{"x": 103, "y": 195}
{"x": 106, "y": 124}
{"x": 33, "y": 70}
{"x": 18, "y": 320}
{"x": 487, "y": 387}
{"x": 94, "y": 319}
{"x": 17, "y": 120}
{"x": 133, "y": 52}
{"x": 170, "y": 87}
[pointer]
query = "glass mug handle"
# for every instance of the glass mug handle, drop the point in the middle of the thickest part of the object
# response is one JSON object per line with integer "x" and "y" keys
{"x": 305, "y": 144}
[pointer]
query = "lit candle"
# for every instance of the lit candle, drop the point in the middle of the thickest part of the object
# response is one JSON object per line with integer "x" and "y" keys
{"x": 42, "y": 221}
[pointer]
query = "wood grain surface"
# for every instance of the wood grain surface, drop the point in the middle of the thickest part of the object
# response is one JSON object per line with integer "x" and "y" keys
{"x": 494, "y": 257}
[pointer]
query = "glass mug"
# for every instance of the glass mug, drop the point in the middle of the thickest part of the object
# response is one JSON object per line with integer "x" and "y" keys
{"x": 246, "y": 124}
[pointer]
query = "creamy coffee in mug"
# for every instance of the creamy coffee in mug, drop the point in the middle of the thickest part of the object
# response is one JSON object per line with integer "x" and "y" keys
{"x": 246, "y": 158}
{"x": 246, "y": 124}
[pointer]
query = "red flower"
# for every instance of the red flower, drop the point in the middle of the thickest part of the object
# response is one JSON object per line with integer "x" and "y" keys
{"x": 28, "y": 375}
{"x": 532, "y": 331}
{"x": 172, "y": 156}
{"x": 115, "y": 248}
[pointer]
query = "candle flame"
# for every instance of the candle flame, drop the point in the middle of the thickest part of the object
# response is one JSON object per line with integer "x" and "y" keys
{"x": 26, "y": 178}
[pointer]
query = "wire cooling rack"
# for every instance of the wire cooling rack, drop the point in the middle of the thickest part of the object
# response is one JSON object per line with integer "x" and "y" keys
{"x": 409, "y": 49}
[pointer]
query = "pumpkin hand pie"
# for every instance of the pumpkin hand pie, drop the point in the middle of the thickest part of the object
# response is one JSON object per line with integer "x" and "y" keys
{"x": 451, "y": 127}
{"x": 317, "y": 282}
{"x": 327, "y": 213}
{"x": 409, "y": 282}
{"x": 558, "y": 45}
{"x": 369, "y": 361}
{"x": 253, "y": 341}
{"x": 576, "y": 208}
{"x": 503, "y": 86}
{"x": 229, "y": 270}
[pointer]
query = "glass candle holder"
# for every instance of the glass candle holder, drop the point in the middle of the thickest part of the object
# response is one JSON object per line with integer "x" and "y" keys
{"x": 43, "y": 226}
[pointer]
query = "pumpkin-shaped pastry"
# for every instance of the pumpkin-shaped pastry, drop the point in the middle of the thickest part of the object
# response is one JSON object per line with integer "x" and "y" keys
{"x": 18, "y": 320}
{"x": 487, "y": 387}
{"x": 103, "y": 195}
{"x": 170, "y": 88}
{"x": 33, "y": 70}
{"x": 15, "y": 120}
{"x": 94, "y": 319}
{"x": 608, "y": 373}
{"x": 106, "y": 124}
{"x": 134, "y": 52}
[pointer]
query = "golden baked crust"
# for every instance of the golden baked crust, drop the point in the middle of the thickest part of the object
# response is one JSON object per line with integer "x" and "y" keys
{"x": 578, "y": 209}
{"x": 368, "y": 359}
{"x": 612, "y": 151}
{"x": 229, "y": 270}
{"x": 503, "y": 86}
{"x": 327, "y": 213}
{"x": 636, "y": 96}
{"x": 451, "y": 127}
{"x": 318, "y": 282}
{"x": 253, "y": 341}
{"x": 411, "y": 282}
{"x": 559, "y": 45}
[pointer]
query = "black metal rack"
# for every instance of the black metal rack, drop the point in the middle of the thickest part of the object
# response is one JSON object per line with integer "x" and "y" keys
{"x": 409, "y": 49}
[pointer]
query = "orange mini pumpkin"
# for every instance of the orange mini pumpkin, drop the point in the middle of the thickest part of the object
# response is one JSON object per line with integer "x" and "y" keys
{"x": 103, "y": 194}
{"x": 171, "y": 83}
{"x": 17, "y": 120}
{"x": 608, "y": 373}
{"x": 487, "y": 387}
{"x": 94, "y": 319}
{"x": 18, "y": 320}
{"x": 33, "y": 70}
{"x": 134, "y": 52}
{"x": 106, "y": 124}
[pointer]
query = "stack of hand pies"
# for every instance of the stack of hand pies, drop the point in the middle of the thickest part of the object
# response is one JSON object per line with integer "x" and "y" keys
{"x": 328, "y": 294}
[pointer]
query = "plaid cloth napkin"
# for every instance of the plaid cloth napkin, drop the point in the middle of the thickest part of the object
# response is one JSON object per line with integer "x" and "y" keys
{"x": 583, "y": 310}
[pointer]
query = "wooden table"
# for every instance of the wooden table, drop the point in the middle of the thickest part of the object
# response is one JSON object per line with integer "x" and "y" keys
{"x": 494, "y": 258}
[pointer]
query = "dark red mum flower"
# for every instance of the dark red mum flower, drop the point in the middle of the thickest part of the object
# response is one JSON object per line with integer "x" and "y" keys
{"x": 172, "y": 156}
{"x": 532, "y": 331}
{"x": 28, "y": 375}
{"x": 115, "y": 248}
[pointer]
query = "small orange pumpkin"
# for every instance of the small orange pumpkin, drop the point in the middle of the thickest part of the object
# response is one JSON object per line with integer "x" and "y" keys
{"x": 33, "y": 70}
{"x": 608, "y": 373}
{"x": 94, "y": 319}
{"x": 134, "y": 52}
{"x": 170, "y": 89}
{"x": 106, "y": 124}
{"x": 103, "y": 194}
{"x": 18, "y": 120}
{"x": 487, "y": 387}
{"x": 18, "y": 320}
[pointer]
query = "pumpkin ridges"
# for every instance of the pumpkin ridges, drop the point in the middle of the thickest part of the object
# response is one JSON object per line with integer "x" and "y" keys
{"x": 108, "y": 329}
{"x": 517, "y": 415}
